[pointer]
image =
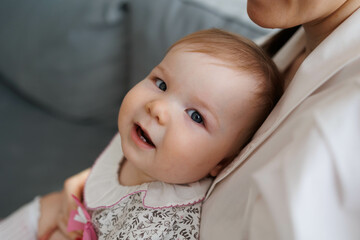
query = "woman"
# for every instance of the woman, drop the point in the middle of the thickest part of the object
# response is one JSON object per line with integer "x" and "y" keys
{"x": 298, "y": 178}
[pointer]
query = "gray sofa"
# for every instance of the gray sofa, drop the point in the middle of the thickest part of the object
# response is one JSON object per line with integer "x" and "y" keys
{"x": 65, "y": 66}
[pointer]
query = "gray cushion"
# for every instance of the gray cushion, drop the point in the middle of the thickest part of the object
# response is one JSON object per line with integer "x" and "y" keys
{"x": 67, "y": 55}
{"x": 38, "y": 151}
{"x": 157, "y": 24}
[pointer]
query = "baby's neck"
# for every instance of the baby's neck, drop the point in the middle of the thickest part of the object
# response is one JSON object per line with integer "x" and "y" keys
{"x": 128, "y": 174}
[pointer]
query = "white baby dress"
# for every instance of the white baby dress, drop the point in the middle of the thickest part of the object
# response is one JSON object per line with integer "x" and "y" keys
{"x": 153, "y": 210}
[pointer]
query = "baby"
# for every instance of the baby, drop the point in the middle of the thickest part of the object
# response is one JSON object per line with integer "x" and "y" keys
{"x": 178, "y": 128}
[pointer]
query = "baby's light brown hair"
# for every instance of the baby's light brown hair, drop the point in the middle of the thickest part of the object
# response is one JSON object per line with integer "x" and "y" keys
{"x": 245, "y": 56}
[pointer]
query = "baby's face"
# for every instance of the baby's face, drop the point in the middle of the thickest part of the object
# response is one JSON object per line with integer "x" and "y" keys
{"x": 185, "y": 117}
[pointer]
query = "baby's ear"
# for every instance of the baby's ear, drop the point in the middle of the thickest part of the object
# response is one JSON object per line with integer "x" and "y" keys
{"x": 221, "y": 165}
{"x": 216, "y": 170}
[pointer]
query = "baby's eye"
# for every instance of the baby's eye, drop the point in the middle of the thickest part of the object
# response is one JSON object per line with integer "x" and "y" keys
{"x": 195, "y": 116}
{"x": 160, "y": 84}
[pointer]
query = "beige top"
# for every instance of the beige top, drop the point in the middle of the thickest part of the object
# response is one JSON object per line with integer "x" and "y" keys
{"x": 299, "y": 177}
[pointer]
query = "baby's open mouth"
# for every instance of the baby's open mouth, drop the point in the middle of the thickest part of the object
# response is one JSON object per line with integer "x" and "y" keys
{"x": 144, "y": 136}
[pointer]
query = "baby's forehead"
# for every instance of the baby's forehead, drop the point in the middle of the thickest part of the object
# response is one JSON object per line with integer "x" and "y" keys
{"x": 225, "y": 56}
{"x": 214, "y": 79}
{"x": 229, "y": 98}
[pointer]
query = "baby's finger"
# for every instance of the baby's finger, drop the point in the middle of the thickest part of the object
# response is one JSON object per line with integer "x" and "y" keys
{"x": 73, "y": 186}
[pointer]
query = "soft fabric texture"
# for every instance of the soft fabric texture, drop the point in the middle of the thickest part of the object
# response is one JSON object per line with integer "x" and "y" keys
{"x": 154, "y": 210}
{"x": 23, "y": 223}
{"x": 298, "y": 178}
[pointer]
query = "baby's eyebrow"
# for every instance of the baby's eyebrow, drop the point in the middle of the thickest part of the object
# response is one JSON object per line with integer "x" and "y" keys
{"x": 162, "y": 70}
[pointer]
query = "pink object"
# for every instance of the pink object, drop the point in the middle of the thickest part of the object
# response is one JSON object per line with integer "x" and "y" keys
{"x": 80, "y": 220}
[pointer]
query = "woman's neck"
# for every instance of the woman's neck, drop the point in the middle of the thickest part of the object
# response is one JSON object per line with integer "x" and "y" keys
{"x": 318, "y": 30}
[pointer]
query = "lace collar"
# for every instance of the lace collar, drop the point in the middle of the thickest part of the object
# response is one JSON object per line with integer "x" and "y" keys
{"x": 103, "y": 190}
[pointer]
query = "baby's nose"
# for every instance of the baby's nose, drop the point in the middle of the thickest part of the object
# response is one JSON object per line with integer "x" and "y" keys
{"x": 158, "y": 109}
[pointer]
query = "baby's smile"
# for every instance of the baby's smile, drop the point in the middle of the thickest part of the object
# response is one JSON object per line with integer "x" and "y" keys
{"x": 141, "y": 137}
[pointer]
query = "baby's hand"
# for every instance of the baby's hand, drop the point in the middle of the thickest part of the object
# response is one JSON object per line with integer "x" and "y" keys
{"x": 72, "y": 186}
{"x": 56, "y": 208}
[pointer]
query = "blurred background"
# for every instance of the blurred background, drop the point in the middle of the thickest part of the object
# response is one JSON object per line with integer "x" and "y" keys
{"x": 64, "y": 68}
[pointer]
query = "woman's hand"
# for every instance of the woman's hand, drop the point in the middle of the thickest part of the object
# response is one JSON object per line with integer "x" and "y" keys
{"x": 50, "y": 206}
